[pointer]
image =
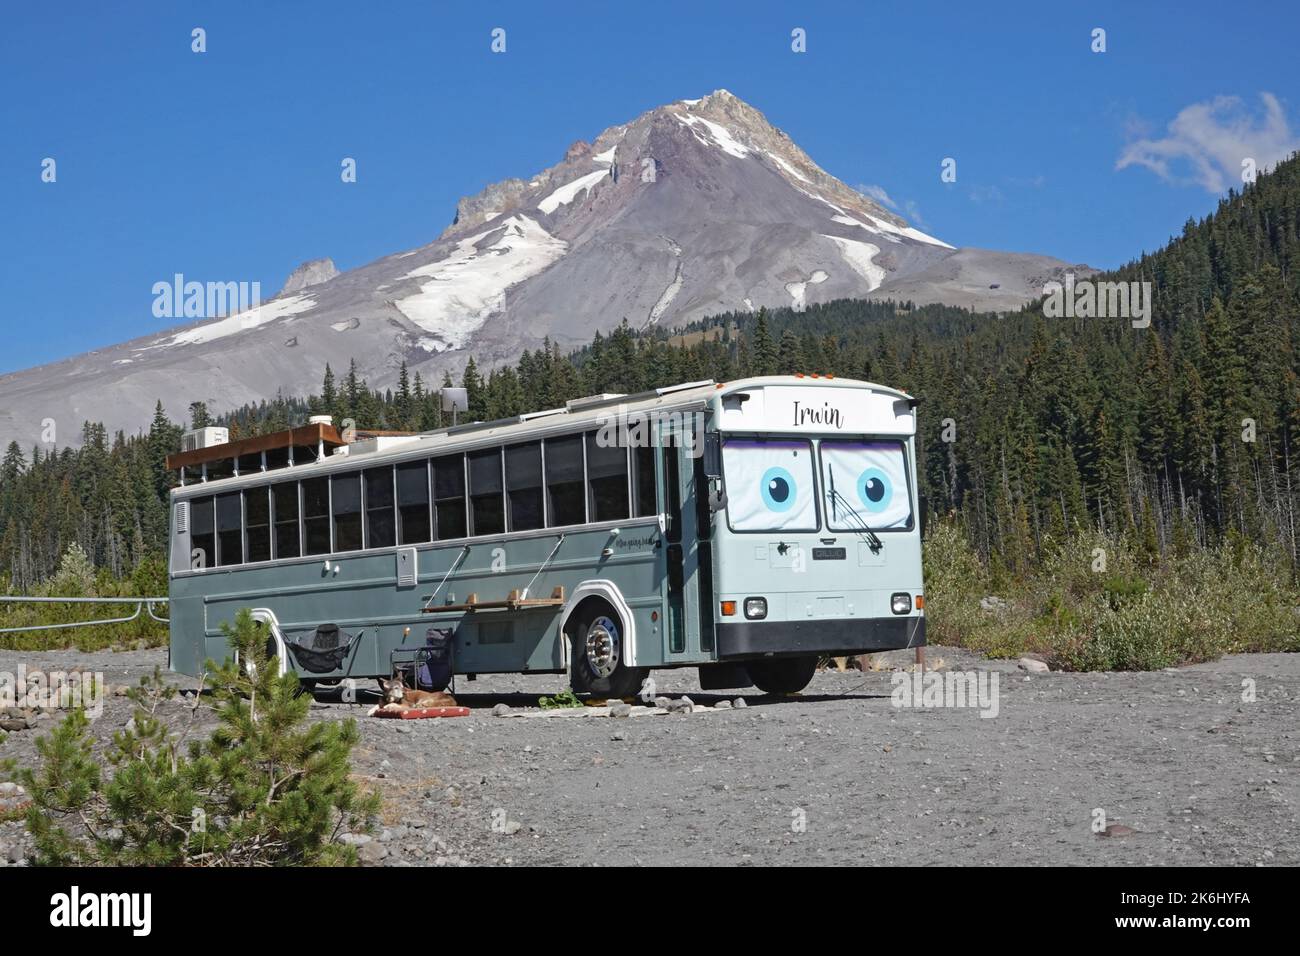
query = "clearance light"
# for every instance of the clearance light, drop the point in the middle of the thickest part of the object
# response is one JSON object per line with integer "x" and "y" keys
{"x": 756, "y": 608}
{"x": 900, "y": 603}
{"x": 920, "y": 602}
{"x": 728, "y": 608}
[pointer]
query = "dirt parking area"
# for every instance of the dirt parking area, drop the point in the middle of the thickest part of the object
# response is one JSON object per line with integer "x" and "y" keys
{"x": 1200, "y": 773}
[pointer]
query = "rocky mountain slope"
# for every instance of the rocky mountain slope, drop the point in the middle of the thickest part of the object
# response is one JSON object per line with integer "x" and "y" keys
{"x": 693, "y": 208}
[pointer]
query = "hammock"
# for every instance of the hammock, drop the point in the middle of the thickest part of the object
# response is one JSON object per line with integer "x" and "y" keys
{"x": 323, "y": 651}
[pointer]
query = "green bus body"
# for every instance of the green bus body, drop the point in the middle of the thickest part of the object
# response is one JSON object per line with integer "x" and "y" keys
{"x": 679, "y": 574}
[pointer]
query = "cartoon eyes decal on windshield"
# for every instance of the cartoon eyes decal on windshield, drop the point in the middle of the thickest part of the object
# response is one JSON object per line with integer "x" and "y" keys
{"x": 779, "y": 490}
{"x": 771, "y": 484}
{"x": 875, "y": 490}
{"x": 878, "y": 495}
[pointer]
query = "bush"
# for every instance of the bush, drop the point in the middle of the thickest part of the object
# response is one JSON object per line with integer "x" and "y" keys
{"x": 77, "y": 578}
{"x": 266, "y": 788}
{"x": 1097, "y": 602}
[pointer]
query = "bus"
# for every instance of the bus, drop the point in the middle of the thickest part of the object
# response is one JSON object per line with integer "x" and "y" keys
{"x": 748, "y": 529}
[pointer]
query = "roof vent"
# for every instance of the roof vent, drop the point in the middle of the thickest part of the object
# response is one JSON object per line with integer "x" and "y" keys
{"x": 321, "y": 420}
{"x": 576, "y": 403}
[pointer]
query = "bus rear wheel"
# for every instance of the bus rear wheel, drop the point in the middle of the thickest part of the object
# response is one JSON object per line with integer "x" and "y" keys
{"x": 782, "y": 675}
{"x": 599, "y": 659}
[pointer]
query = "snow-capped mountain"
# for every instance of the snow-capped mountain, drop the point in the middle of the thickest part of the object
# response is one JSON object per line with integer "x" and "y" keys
{"x": 694, "y": 208}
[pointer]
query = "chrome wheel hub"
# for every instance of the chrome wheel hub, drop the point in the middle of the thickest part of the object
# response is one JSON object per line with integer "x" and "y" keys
{"x": 603, "y": 647}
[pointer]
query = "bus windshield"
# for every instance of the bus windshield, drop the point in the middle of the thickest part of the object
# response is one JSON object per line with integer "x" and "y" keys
{"x": 769, "y": 485}
{"x": 869, "y": 478}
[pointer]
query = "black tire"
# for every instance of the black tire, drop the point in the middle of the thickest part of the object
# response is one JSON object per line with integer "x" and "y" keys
{"x": 782, "y": 675}
{"x": 602, "y": 672}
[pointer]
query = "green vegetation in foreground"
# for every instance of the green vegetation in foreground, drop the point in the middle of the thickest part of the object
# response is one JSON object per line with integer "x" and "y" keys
{"x": 566, "y": 698}
{"x": 265, "y": 788}
{"x": 1100, "y": 602}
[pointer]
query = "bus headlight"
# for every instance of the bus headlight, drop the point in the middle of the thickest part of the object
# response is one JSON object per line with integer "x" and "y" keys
{"x": 756, "y": 608}
{"x": 900, "y": 603}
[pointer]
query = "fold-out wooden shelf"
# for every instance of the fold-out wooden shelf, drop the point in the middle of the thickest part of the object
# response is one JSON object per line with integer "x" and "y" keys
{"x": 513, "y": 602}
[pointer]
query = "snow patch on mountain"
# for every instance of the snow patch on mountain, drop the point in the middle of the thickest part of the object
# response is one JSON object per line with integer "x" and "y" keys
{"x": 797, "y": 290}
{"x": 722, "y": 137}
{"x": 470, "y": 283}
{"x": 859, "y": 256}
{"x": 606, "y": 157}
{"x": 890, "y": 231}
{"x": 240, "y": 322}
{"x": 675, "y": 286}
{"x": 566, "y": 194}
{"x": 790, "y": 169}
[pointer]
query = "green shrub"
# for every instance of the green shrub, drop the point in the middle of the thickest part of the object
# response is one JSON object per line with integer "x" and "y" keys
{"x": 1095, "y": 602}
{"x": 266, "y": 787}
{"x": 77, "y": 578}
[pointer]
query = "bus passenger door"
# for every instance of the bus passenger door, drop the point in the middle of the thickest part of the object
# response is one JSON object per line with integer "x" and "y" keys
{"x": 682, "y": 551}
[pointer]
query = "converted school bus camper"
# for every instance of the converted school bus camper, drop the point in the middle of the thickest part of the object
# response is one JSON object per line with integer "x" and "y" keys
{"x": 744, "y": 528}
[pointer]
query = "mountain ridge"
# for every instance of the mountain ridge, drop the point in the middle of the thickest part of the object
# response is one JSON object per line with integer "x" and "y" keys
{"x": 693, "y": 208}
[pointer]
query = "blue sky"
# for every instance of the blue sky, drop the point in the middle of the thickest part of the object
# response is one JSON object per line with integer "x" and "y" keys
{"x": 225, "y": 165}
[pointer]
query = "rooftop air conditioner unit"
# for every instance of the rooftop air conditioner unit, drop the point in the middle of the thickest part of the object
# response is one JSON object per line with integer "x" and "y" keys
{"x": 204, "y": 438}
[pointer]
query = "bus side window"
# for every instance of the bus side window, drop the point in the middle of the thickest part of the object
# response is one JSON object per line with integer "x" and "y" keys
{"x": 486, "y": 492}
{"x": 203, "y": 536}
{"x": 413, "y": 502}
{"x": 257, "y": 524}
{"x": 673, "y": 499}
{"x": 643, "y": 478}
{"x": 285, "y": 501}
{"x": 345, "y": 502}
{"x": 316, "y": 515}
{"x": 566, "y": 497}
{"x": 381, "y": 528}
{"x": 606, "y": 480}
{"x": 524, "y": 486}
{"x": 449, "y": 497}
{"x": 230, "y": 543}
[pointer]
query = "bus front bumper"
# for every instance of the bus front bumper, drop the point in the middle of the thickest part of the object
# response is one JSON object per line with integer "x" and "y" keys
{"x": 835, "y": 637}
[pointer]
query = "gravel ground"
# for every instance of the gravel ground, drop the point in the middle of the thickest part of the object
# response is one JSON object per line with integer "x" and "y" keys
{"x": 836, "y": 775}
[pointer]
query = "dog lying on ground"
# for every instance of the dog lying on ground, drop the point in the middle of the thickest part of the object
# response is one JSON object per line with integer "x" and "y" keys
{"x": 398, "y": 697}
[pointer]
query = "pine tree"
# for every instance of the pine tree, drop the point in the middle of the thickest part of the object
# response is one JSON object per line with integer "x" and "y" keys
{"x": 763, "y": 353}
{"x": 268, "y": 787}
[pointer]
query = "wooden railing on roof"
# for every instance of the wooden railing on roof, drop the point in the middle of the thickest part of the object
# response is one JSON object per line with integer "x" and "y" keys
{"x": 305, "y": 435}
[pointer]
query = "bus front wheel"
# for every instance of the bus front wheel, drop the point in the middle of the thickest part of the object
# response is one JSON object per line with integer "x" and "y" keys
{"x": 599, "y": 659}
{"x": 782, "y": 675}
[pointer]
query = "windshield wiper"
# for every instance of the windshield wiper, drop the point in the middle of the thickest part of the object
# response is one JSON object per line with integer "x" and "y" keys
{"x": 873, "y": 539}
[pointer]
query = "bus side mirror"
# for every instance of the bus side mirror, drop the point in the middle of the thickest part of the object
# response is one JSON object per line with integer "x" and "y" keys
{"x": 717, "y": 495}
{"x": 712, "y": 455}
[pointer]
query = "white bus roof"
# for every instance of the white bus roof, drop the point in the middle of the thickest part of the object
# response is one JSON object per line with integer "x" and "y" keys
{"x": 577, "y": 415}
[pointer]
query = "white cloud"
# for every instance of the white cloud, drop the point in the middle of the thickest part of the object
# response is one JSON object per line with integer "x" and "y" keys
{"x": 1207, "y": 143}
{"x": 878, "y": 194}
{"x": 983, "y": 194}
{"x": 907, "y": 207}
